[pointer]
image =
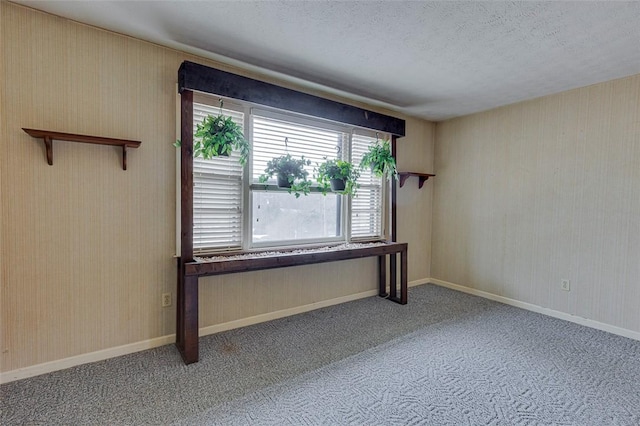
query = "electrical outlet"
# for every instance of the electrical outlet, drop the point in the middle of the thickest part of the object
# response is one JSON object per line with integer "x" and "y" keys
{"x": 565, "y": 285}
{"x": 166, "y": 299}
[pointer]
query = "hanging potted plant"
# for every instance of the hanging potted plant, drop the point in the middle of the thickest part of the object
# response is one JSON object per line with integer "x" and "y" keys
{"x": 219, "y": 136}
{"x": 378, "y": 157}
{"x": 339, "y": 175}
{"x": 289, "y": 173}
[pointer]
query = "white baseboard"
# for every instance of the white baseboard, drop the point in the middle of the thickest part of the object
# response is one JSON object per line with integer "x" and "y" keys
{"x": 541, "y": 310}
{"x": 48, "y": 367}
{"x": 61, "y": 364}
{"x": 419, "y": 282}
{"x": 212, "y": 329}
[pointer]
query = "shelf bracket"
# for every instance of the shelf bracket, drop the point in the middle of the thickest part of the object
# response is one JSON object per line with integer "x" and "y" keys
{"x": 124, "y": 157}
{"x": 48, "y": 146}
{"x": 422, "y": 180}
{"x": 403, "y": 178}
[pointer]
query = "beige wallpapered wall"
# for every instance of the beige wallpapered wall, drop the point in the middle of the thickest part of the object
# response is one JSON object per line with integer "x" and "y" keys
{"x": 540, "y": 191}
{"x": 87, "y": 247}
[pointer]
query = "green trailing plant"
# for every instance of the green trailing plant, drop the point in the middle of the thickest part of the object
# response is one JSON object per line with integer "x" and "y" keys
{"x": 219, "y": 136}
{"x": 289, "y": 173}
{"x": 339, "y": 176}
{"x": 378, "y": 157}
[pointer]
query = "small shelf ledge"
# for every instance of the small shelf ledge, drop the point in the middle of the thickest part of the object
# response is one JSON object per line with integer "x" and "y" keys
{"x": 48, "y": 137}
{"x": 270, "y": 187}
{"x": 422, "y": 177}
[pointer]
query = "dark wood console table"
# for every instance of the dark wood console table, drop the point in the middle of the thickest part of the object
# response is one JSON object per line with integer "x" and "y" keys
{"x": 187, "y": 324}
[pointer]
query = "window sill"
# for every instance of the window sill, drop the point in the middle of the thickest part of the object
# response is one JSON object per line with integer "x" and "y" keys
{"x": 272, "y": 187}
{"x": 259, "y": 260}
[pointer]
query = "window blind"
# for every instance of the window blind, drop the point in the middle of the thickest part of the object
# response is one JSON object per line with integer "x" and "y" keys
{"x": 217, "y": 193}
{"x": 366, "y": 206}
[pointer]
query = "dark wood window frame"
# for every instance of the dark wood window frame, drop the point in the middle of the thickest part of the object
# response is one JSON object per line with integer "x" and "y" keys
{"x": 195, "y": 77}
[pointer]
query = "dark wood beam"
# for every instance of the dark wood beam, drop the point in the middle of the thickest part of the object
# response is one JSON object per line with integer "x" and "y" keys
{"x": 186, "y": 176}
{"x": 393, "y": 271}
{"x": 187, "y": 292}
{"x": 192, "y": 76}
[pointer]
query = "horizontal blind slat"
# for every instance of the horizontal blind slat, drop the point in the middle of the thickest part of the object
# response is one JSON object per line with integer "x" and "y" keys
{"x": 313, "y": 143}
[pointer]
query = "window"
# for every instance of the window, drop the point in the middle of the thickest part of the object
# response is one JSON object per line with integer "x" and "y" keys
{"x": 234, "y": 211}
{"x": 277, "y": 217}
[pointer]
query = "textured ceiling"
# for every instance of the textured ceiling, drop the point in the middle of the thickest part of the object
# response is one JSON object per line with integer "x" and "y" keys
{"x": 435, "y": 60}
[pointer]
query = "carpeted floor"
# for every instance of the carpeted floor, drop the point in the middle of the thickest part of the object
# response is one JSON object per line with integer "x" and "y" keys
{"x": 447, "y": 358}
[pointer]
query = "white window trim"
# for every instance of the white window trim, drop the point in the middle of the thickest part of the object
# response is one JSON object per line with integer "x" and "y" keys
{"x": 248, "y": 109}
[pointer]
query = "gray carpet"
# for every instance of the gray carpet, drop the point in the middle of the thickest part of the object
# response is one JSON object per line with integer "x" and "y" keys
{"x": 446, "y": 358}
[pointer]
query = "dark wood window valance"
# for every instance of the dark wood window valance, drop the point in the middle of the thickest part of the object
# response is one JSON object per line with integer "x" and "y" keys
{"x": 192, "y": 76}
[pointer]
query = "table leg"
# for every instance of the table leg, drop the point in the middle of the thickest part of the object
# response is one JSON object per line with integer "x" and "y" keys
{"x": 403, "y": 278}
{"x": 382, "y": 276}
{"x": 187, "y": 332}
{"x": 392, "y": 276}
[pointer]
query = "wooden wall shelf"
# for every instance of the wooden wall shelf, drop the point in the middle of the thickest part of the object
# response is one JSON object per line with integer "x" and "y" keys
{"x": 422, "y": 177}
{"x": 48, "y": 136}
